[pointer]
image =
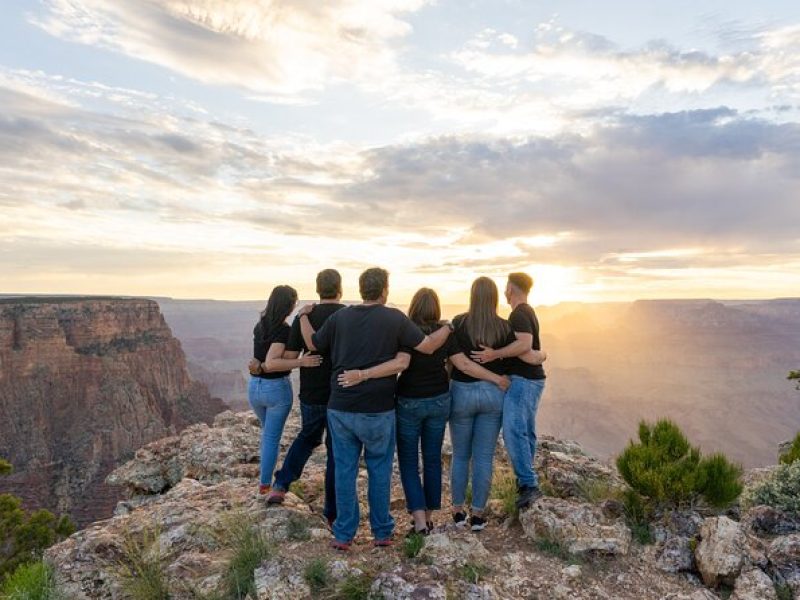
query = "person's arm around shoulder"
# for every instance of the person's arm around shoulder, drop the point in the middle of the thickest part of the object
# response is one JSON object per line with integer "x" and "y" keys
{"x": 473, "y": 369}
{"x": 432, "y": 342}
{"x": 276, "y": 361}
{"x": 396, "y": 365}
{"x": 534, "y": 357}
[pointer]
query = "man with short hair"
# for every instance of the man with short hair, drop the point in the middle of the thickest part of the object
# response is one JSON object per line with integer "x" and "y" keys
{"x": 522, "y": 398}
{"x": 315, "y": 389}
{"x": 364, "y": 341}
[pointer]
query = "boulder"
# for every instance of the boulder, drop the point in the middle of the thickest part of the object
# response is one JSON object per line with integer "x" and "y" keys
{"x": 766, "y": 520}
{"x": 392, "y": 586}
{"x": 280, "y": 578}
{"x": 572, "y": 473}
{"x": 754, "y": 584}
{"x": 453, "y": 549}
{"x": 675, "y": 555}
{"x": 578, "y": 526}
{"x": 722, "y": 550}
{"x": 784, "y": 556}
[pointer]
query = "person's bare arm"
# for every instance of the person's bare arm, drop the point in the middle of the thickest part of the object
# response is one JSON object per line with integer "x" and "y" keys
{"x": 306, "y": 328}
{"x": 518, "y": 347}
{"x": 396, "y": 365}
{"x": 534, "y": 357}
{"x": 276, "y": 362}
{"x": 473, "y": 369}
{"x": 433, "y": 341}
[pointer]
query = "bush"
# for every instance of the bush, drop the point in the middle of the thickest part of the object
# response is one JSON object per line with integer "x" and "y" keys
{"x": 316, "y": 575}
{"x": 668, "y": 472}
{"x": 251, "y": 546}
{"x": 793, "y": 453}
{"x": 781, "y": 490}
{"x": 474, "y": 572}
{"x": 33, "y": 581}
{"x": 354, "y": 587}
{"x": 504, "y": 488}
{"x": 141, "y": 571}
{"x": 413, "y": 545}
{"x": 719, "y": 480}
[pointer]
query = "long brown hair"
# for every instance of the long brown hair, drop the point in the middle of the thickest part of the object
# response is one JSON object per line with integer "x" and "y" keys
{"x": 483, "y": 325}
{"x": 424, "y": 309}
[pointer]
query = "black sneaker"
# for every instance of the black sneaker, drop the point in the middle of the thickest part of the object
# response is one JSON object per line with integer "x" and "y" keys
{"x": 477, "y": 523}
{"x": 527, "y": 496}
{"x": 460, "y": 519}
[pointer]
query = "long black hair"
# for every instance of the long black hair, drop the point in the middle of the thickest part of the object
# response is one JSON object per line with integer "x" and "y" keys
{"x": 279, "y": 306}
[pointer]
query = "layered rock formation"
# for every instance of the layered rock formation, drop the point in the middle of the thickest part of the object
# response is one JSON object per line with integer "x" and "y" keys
{"x": 83, "y": 384}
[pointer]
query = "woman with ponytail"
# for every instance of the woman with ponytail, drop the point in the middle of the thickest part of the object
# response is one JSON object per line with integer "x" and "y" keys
{"x": 270, "y": 390}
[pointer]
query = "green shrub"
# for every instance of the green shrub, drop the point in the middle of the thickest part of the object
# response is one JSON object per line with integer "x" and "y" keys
{"x": 354, "y": 587}
{"x": 781, "y": 490}
{"x": 793, "y": 453}
{"x": 24, "y": 536}
{"x": 316, "y": 575}
{"x": 719, "y": 480}
{"x": 473, "y": 572}
{"x": 504, "y": 488}
{"x": 141, "y": 569}
{"x": 413, "y": 545}
{"x": 794, "y": 375}
{"x": 557, "y": 550}
{"x": 668, "y": 472}
{"x": 251, "y": 546}
{"x": 32, "y": 581}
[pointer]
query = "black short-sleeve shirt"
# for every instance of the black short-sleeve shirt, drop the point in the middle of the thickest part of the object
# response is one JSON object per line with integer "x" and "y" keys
{"x": 262, "y": 340}
{"x": 426, "y": 375}
{"x": 460, "y": 342}
{"x": 315, "y": 382}
{"x": 360, "y": 337}
{"x": 523, "y": 320}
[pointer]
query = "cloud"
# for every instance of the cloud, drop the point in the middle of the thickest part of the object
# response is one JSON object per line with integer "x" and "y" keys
{"x": 273, "y": 47}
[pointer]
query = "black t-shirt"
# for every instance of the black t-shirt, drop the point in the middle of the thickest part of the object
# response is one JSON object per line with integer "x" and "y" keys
{"x": 262, "y": 340}
{"x": 315, "y": 382}
{"x": 460, "y": 342}
{"x": 426, "y": 375}
{"x": 360, "y": 337}
{"x": 523, "y": 320}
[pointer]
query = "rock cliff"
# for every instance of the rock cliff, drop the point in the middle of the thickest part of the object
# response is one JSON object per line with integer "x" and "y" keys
{"x": 190, "y": 493}
{"x": 84, "y": 382}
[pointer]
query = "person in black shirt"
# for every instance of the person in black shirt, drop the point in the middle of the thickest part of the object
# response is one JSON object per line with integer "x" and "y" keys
{"x": 270, "y": 390}
{"x": 423, "y": 407}
{"x": 521, "y": 401}
{"x": 364, "y": 341}
{"x": 315, "y": 388}
{"x": 477, "y": 400}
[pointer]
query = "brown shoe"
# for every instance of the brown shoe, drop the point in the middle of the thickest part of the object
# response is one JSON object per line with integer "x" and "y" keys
{"x": 263, "y": 490}
{"x": 276, "y": 496}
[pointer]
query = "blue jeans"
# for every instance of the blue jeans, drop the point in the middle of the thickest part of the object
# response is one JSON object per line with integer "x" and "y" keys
{"x": 314, "y": 424}
{"x": 271, "y": 400}
{"x": 519, "y": 426}
{"x": 421, "y": 419}
{"x": 475, "y": 419}
{"x": 374, "y": 433}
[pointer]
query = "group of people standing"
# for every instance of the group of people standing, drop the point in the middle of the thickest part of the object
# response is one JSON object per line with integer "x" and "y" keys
{"x": 480, "y": 373}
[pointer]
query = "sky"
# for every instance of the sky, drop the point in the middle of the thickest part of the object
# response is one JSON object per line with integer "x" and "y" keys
{"x": 216, "y": 148}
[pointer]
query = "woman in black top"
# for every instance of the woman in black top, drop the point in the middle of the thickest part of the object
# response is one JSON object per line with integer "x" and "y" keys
{"x": 423, "y": 407}
{"x": 270, "y": 390}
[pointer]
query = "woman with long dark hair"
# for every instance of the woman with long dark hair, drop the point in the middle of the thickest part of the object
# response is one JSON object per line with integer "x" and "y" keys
{"x": 270, "y": 390}
{"x": 476, "y": 413}
{"x": 423, "y": 407}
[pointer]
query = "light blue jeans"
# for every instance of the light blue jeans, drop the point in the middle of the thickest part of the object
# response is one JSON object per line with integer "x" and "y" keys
{"x": 271, "y": 400}
{"x": 519, "y": 427}
{"x": 374, "y": 433}
{"x": 476, "y": 415}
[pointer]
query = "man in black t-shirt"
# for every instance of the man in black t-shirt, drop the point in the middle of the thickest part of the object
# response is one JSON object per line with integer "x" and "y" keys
{"x": 315, "y": 389}
{"x": 522, "y": 398}
{"x": 365, "y": 339}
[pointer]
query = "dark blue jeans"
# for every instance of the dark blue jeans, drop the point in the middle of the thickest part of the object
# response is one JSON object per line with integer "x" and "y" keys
{"x": 421, "y": 420}
{"x": 314, "y": 424}
{"x": 374, "y": 435}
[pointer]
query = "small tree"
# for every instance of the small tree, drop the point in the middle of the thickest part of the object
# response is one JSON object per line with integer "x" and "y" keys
{"x": 669, "y": 472}
{"x": 793, "y": 453}
{"x": 24, "y": 536}
{"x": 794, "y": 375}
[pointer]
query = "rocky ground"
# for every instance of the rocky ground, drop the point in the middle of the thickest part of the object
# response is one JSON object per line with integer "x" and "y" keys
{"x": 187, "y": 491}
